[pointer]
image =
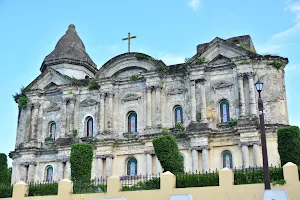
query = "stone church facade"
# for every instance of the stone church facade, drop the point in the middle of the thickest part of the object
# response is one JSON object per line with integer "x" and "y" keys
{"x": 209, "y": 103}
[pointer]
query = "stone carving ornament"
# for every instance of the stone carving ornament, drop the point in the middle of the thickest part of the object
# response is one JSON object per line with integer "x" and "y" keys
{"x": 221, "y": 85}
{"x": 53, "y": 107}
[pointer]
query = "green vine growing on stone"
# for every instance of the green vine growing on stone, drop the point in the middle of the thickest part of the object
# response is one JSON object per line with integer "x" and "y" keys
{"x": 276, "y": 64}
{"x": 21, "y": 99}
{"x": 200, "y": 60}
{"x": 93, "y": 85}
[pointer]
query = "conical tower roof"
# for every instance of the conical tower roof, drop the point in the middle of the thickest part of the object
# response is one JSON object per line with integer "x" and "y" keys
{"x": 69, "y": 49}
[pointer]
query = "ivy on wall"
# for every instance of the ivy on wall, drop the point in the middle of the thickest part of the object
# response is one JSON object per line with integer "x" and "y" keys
{"x": 81, "y": 162}
{"x": 21, "y": 99}
{"x": 167, "y": 152}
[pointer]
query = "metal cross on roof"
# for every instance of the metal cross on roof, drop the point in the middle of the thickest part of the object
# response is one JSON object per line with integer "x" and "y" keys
{"x": 128, "y": 38}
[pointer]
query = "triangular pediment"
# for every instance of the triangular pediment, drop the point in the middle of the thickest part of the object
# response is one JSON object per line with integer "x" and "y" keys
{"x": 49, "y": 79}
{"x": 211, "y": 51}
{"x": 88, "y": 102}
{"x": 220, "y": 59}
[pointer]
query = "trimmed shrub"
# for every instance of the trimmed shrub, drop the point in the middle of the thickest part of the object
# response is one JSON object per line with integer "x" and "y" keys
{"x": 167, "y": 152}
{"x": 43, "y": 189}
{"x": 4, "y": 172}
{"x": 197, "y": 180}
{"x": 289, "y": 144}
{"x": 257, "y": 176}
{"x": 6, "y": 191}
{"x": 153, "y": 184}
{"x": 81, "y": 162}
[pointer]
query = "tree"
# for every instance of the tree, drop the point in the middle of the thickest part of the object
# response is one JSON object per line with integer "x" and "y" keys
{"x": 4, "y": 172}
{"x": 167, "y": 152}
{"x": 289, "y": 144}
{"x": 81, "y": 162}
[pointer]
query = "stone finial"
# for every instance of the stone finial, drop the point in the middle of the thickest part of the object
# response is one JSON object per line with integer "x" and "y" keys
{"x": 71, "y": 28}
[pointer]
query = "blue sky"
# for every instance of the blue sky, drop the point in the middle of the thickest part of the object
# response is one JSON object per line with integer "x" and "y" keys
{"x": 169, "y": 30}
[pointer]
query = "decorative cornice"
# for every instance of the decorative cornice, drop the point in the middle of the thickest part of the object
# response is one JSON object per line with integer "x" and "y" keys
{"x": 148, "y": 89}
{"x": 251, "y": 143}
{"x": 241, "y": 76}
{"x": 27, "y": 163}
{"x": 200, "y": 148}
{"x": 151, "y": 152}
{"x": 105, "y": 156}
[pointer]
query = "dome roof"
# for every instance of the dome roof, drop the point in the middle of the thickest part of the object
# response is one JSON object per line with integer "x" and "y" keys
{"x": 69, "y": 49}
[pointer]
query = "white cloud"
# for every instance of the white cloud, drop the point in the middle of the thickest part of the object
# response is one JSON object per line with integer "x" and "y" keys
{"x": 170, "y": 58}
{"x": 195, "y": 4}
{"x": 295, "y": 30}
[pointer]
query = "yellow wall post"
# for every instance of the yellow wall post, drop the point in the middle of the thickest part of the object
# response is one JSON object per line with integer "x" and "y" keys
{"x": 226, "y": 177}
{"x": 113, "y": 185}
{"x": 65, "y": 189}
{"x": 20, "y": 190}
{"x": 167, "y": 184}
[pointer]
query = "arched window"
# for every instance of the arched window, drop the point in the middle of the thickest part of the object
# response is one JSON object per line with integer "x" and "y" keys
{"x": 132, "y": 122}
{"x": 227, "y": 159}
{"x": 224, "y": 111}
{"x": 89, "y": 127}
{"x": 132, "y": 166}
{"x": 49, "y": 173}
{"x": 178, "y": 114}
{"x": 52, "y": 130}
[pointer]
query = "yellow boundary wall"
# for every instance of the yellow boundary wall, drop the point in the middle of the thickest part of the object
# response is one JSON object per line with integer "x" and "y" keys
{"x": 226, "y": 190}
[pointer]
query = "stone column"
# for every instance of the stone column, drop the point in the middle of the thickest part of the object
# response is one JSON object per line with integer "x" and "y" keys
{"x": 242, "y": 96}
{"x": 205, "y": 159}
{"x": 193, "y": 101}
{"x": 99, "y": 166}
{"x": 34, "y": 121}
{"x": 28, "y": 121}
{"x": 64, "y": 117}
{"x": 252, "y": 94}
{"x": 60, "y": 171}
{"x": 109, "y": 160}
{"x": 68, "y": 169}
{"x": 110, "y": 111}
{"x": 31, "y": 170}
{"x": 72, "y": 113}
{"x": 23, "y": 172}
{"x": 158, "y": 166}
{"x": 256, "y": 154}
{"x": 148, "y": 163}
{"x": 245, "y": 153}
{"x": 158, "y": 108}
{"x": 102, "y": 125}
{"x": 40, "y": 122}
{"x": 149, "y": 116}
{"x": 203, "y": 101}
{"x": 195, "y": 162}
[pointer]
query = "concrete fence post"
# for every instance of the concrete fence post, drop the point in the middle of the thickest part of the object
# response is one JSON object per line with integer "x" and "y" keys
{"x": 167, "y": 184}
{"x": 65, "y": 189}
{"x": 20, "y": 191}
{"x": 113, "y": 185}
{"x": 226, "y": 177}
{"x": 290, "y": 174}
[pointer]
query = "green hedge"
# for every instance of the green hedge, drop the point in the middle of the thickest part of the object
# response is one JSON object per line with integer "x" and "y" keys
{"x": 289, "y": 144}
{"x": 43, "y": 189}
{"x": 167, "y": 152}
{"x": 4, "y": 172}
{"x": 197, "y": 180}
{"x": 153, "y": 184}
{"x": 257, "y": 176}
{"x": 81, "y": 162}
{"x": 6, "y": 191}
{"x": 80, "y": 187}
